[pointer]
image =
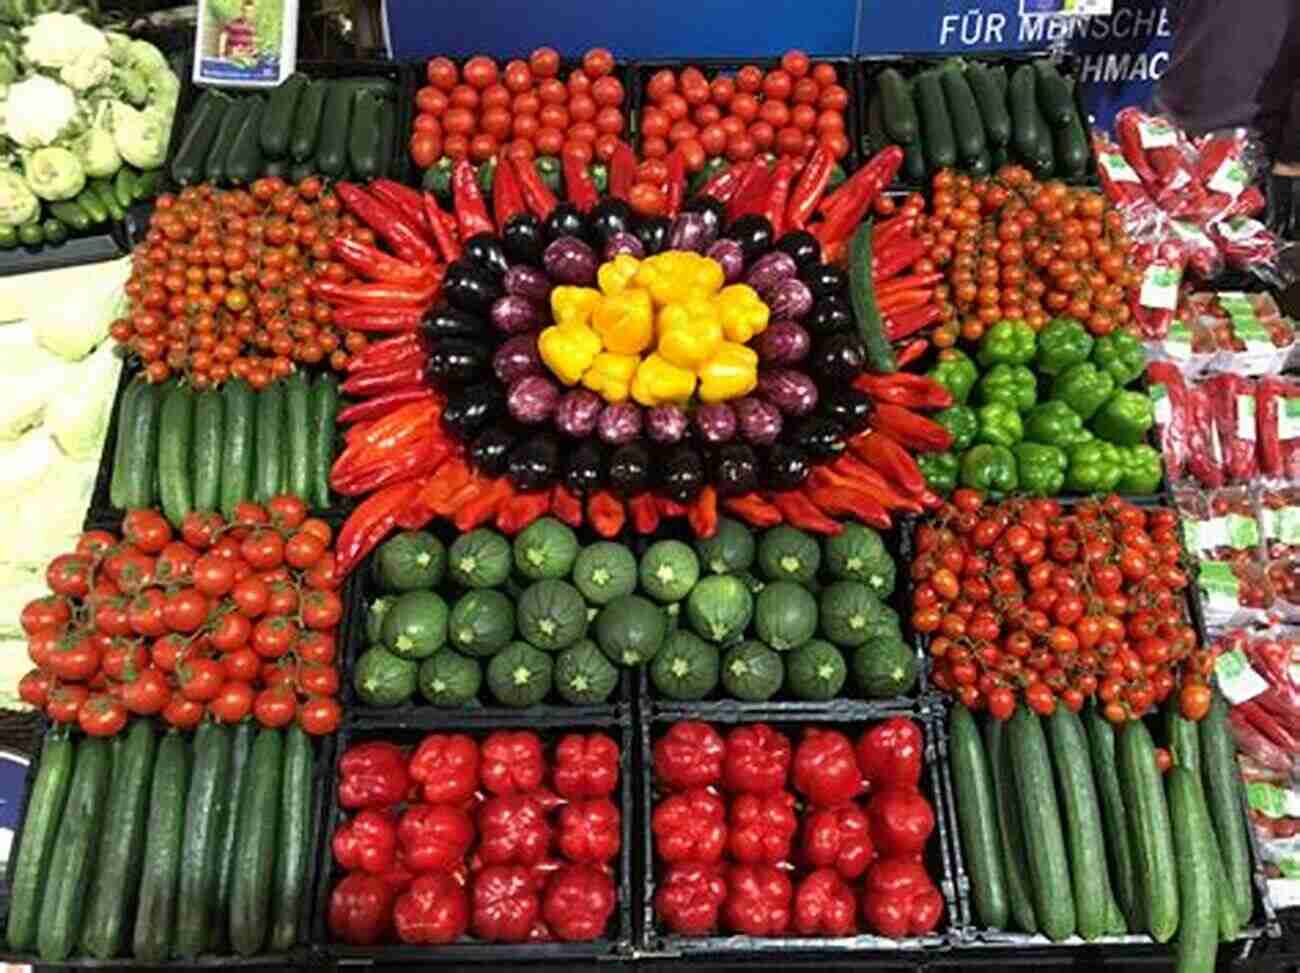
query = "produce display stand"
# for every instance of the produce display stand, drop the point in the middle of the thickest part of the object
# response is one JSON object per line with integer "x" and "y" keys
{"x": 89, "y": 248}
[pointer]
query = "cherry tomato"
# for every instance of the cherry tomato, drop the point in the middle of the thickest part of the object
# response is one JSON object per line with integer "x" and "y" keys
{"x": 749, "y": 79}
{"x": 147, "y": 693}
{"x": 182, "y": 713}
{"x": 34, "y": 688}
{"x": 251, "y": 596}
{"x": 145, "y": 613}
{"x": 232, "y": 703}
{"x": 185, "y": 610}
{"x": 607, "y": 92}
{"x": 480, "y": 72}
{"x": 199, "y": 530}
{"x": 544, "y": 62}
{"x": 69, "y": 574}
{"x": 273, "y": 637}
{"x": 146, "y": 529}
{"x": 124, "y": 659}
{"x": 275, "y": 707}
{"x": 316, "y": 646}
{"x": 96, "y": 543}
{"x": 65, "y": 703}
{"x": 48, "y": 612}
{"x": 321, "y": 609}
{"x": 200, "y": 679}
{"x": 318, "y": 680}
{"x": 442, "y": 73}
{"x": 319, "y": 715}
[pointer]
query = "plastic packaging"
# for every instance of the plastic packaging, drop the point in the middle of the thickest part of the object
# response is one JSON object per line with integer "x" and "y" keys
{"x": 1222, "y": 525}
{"x": 1155, "y": 300}
{"x": 1204, "y": 451}
{"x": 1168, "y": 391}
{"x": 1232, "y": 403}
{"x": 1279, "y": 521}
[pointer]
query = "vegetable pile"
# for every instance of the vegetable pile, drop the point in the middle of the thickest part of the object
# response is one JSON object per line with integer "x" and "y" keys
{"x": 725, "y": 830}
{"x": 166, "y": 847}
{"x": 487, "y": 839}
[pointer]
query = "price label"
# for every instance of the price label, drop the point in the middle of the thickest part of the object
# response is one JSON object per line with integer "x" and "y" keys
{"x": 1156, "y": 133}
{"x": 1230, "y": 178}
{"x": 1160, "y": 404}
{"x": 1117, "y": 168}
{"x": 1243, "y": 532}
{"x": 1160, "y": 287}
{"x": 1237, "y": 680}
{"x": 1178, "y": 342}
{"x": 1285, "y": 892}
{"x": 1246, "y": 417}
{"x": 1288, "y": 419}
{"x": 1250, "y": 331}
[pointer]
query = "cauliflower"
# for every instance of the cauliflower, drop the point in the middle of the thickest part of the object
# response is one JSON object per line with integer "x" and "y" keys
{"x": 86, "y": 72}
{"x": 18, "y": 204}
{"x": 141, "y": 136}
{"x": 147, "y": 59}
{"x": 54, "y": 40}
{"x": 119, "y": 46}
{"x": 54, "y": 173}
{"x": 38, "y": 110}
{"x": 132, "y": 86}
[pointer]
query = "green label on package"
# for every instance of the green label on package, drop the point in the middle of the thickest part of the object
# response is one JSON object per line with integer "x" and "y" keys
{"x": 1178, "y": 342}
{"x": 1243, "y": 532}
{"x": 1237, "y": 680}
{"x": 1268, "y": 799}
{"x": 1288, "y": 419}
{"x": 1254, "y": 334}
{"x": 1160, "y": 404}
{"x": 1246, "y": 417}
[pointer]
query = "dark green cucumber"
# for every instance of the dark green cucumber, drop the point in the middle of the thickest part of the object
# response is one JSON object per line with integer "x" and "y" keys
{"x": 914, "y": 163}
{"x": 268, "y": 479}
{"x": 967, "y": 126}
{"x": 1078, "y": 792}
{"x": 241, "y": 749}
{"x": 70, "y": 214}
{"x": 1223, "y": 795}
{"x": 206, "y": 452}
{"x": 980, "y": 166}
{"x": 148, "y": 184}
{"x": 111, "y": 899}
{"x": 301, "y": 170}
{"x": 977, "y": 818}
{"x": 125, "y": 420}
{"x": 1044, "y": 166}
{"x": 124, "y": 186}
{"x": 1148, "y": 825}
{"x": 197, "y": 896}
{"x": 1072, "y": 148}
{"x": 255, "y": 849}
{"x": 156, "y": 916}
{"x": 232, "y": 120}
{"x": 1198, "y": 928}
{"x": 277, "y": 120}
{"x": 898, "y": 110}
{"x": 244, "y": 160}
{"x": 387, "y": 136}
{"x": 1025, "y": 128}
{"x": 363, "y": 136}
{"x": 992, "y": 103}
{"x": 1040, "y": 816}
{"x": 336, "y": 122}
{"x": 103, "y": 189}
{"x": 89, "y": 201}
{"x": 1183, "y": 741}
{"x": 1015, "y": 862}
{"x": 307, "y": 121}
{"x": 876, "y": 139}
{"x": 871, "y": 326}
{"x": 142, "y": 449}
{"x": 1119, "y": 847}
{"x": 175, "y": 434}
{"x": 200, "y": 132}
{"x": 936, "y": 124}
{"x": 324, "y": 405}
{"x": 294, "y": 846}
{"x": 37, "y": 845}
{"x": 998, "y": 157}
{"x": 1055, "y": 99}
{"x": 277, "y": 168}
{"x": 238, "y": 444}
{"x": 297, "y": 430}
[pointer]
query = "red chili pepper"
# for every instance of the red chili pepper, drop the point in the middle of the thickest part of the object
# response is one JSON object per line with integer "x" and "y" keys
{"x": 889, "y": 458}
{"x": 467, "y": 202}
{"x": 622, "y": 171}
{"x": 480, "y": 509}
{"x": 378, "y": 295}
{"x": 856, "y": 475}
{"x": 507, "y": 198}
{"x": 901, "y": 301}
{"x": 381, "y": 353}
{"x": 566, "y": 506}
{"x": 420, "y": 510}
{"x": 472, "y": 486}
{"x": 370, "y": 522}
{"x": 375, "y": 264}
{"x": 419, "y": 461}
{"x": 384, "y": 437}
{"x": 801, "y": 512}
{"x": 906, "y": 323}
{"x": 537, "y": 194}
{"x": 778, "y": 196}
{"x": 811, "y": 187}
{"x": 357, "y": 432}
{"x": 606, "y": 513}
{"x": 749, "y": 195}
{"x": 381, "y": 405}
{"x": 907, "y": 389}
{"x": 645, "y": 513}
{"x": 370, "y": 318}
{"x": 398, "y": 232}
{"x": 366, "y": 384}
{"x": 676, "y": 181}
{"x": 891, "y": 231}
{"x": 753, "y": 510}
{"x": 669, "y": 509}
{"x": 521, "y": 510}
{"x": 845, "y": 501}
{"x": 578, "y": 186}
{"x": 911, "y": 430}
{"x": 414, "y": 358}
{"x": 725, "y": 183}
{"x": 703, "y": 513}
{"x": 887, "y": 287}
{"x": 450, "y": 478}
{"x": 404, "y": 199}
{"x": 443, "y": 225}
{"x": 868, "y": 181}
{"x": 895, "y": 260}
{"x": 911, "y": 351}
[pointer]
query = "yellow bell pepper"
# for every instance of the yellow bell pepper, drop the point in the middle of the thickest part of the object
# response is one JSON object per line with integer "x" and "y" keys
{"x": 625, "y": 322}
{"x": 658, "y": 381}
{"x": 610, "y": 375}
{"x": 707, "y": 275}
{"x": 614, "y": 275}
{"x": 729, "y": 374}
{"x": 744, "y": 314}
{"x": 568, "y": 349}
{"x": 573, "y": 305}
{"x": 690, "y": 333}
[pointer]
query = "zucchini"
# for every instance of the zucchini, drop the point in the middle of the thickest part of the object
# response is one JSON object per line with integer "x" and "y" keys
{"x": 259, "y": 812}
{"x": 914, "y": 163}
{"x": 1182, "y": 740}
{"x": 307, "y": 120}
{"x": 1025, "y": 132}
{"x": 936, "y": 124}
{"x": 297, "y": 429}
{"x": 336, "y": 122}
{"x": 89, "y": 201}
{"x": 277, "y": 119}
{"x": 898, "y": 110}
{"x": 301, "y": 170}
{"x": 1119, "y": 848}
{"x": 232, "y": 120}
{"x": 1049, "y": 869}
{"x": 1045, "y": 164}
{"x": 111, "y": 899}
{"x": 294, "y": 846}
{"x": 1055, "y": 99}
{"x": 977, "y": 818}
{"x": 1072, "y": 148}
{"x": 967, "y": 125}
{"x": 1078, "y": 792}
{"x": 241, "y": 749}
{"x": 70, "y": 214}
{"x": 74, "y": 853}
{"x": 363, "y": 136}
{"x": 125, "y": 417}
{"x": 197, "y": 897}
{"x": 1015, "y": 863}
{"x": 244, "y": 160}
{"x": 1198, "y": 929}
{"x": 176, "y": 432}
{"x": 1223, "y": 795}
{"x": 162, "y": 856}
{"x": 268, "y": 480}
{"x": 237, "y": 444}
{"x": 992, "y": 103}
{"x": 324, "y": 405}
{"x": 200, "y": 132}
{"x": 36, "y": 847}
{"x": 980, "y": 166}
{"x": 142, "y": 449}
{"x": 998, "y": 157}
{"x": 387, "y": 136}
{"x": 205, "y": 453}
{"x": 871, "y": 326}
{"x": 1148, "y": 825}
{"x": 277, "y": 168}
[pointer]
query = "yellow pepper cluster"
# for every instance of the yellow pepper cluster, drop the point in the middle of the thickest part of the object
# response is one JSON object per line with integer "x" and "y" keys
{"x": 658, "y": 330}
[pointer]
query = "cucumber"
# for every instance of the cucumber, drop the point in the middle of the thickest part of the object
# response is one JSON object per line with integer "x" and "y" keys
{"x": 998, "y": 157}
{"x": 69, "y": 213}
{"x": 206, "y": 453}
{"x": 1025, "y": 130}
{"x": 111, "y": 899}
{"x": 237, "y": 444}
{"x": 103, "y": 190}
{"x": 232, "y": 120}
{"x": 241, "y": 749}
{"x": 32, "y": 234}
{"x": 142, "y": 449}
{"x": 387, "y": 136}
{"x": 1148, "y": 825}
{"x": 268, "y": 478}
{"x": 967, "y": 125}
{"x": 1072, "y": 148}
{"x": 1101, "y": 745}
{"x": 324, "y": 405}
{"x": 124, "y": 187}
{"x": 914, "y": 163}
{"x": 200, "y": 132}
{"x": 1015, "y": 862}
{"x": 871, "y": 326}
{"x": 197, "y": 896}
{"x": 290, "y": 880}
{"x": 176, "y": 432}
{"x": 277, "y": 168}
{"x": 992, "y": 103}
{"x": 73, "y": 858}
{"x": 297, "y": 476}
{"x": 936, "y": 124}
{"x": 1044, "y": 165}
{"x": 980, "y": 166}
{"x": 336, "y": 122}
{"x": 1049, "y": 869}
{"x": 125, "y": 419}
{"x": 37, "y": 845}
{"x": 301, "y": 170}
{"x": 259, "y": 811}
{"x": 244, "y": 160}
{"x": 898, "y": 110}
{"x": 1223, "y": 795}
{"x": 1074, "y": 779}
{"x": 1198, "y": 929}
{"x": 89, "y": 201}
{"x": 1182, "y": 739}
{"x": 277, "y": 119}
{"x": 1055, "y": 99}
{"x": 977, "y": 817}
{"x": 162, "y": 854}
{"x": 306, "y": 121}
{"x": 147, "y": 185}
{"x": 363, "y": 137}
{"x": 876, "y": 138}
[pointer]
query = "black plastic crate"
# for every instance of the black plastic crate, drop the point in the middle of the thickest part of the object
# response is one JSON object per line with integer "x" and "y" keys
{"x": 89, "y": 248}
{"x": 408, "y": 731}
{"x": 867, "y": 948}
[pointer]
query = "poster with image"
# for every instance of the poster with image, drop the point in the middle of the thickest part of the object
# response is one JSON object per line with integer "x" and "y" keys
{"x": 248, "y": 43}
{"x": 1078, "y": 8}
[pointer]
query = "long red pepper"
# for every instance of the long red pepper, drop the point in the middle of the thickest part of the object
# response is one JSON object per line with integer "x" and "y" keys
{"x": 536, "y": 193}
{"x": 905, "y": 323}
{"x": 405, "y": 200}
{"x": 868, "y": 181}
{"x": 749, "y": 195}
{"x": 845, "y": 501}
{"x": 850, "y": 472}
{"x": 417, "y": 513}
{"x": 398, "y": 232}
{"x": 676, "y": 181}
{"x": 907, "y": 283}
{"x": 778, "y": 196}
{"x": 444, "y": 228}
{"x": 907, "y": 389}
{"x": 801, "y": 512}
{"x": 521, "y": 510}
{"x": 702, "y": 515}
{"x": 381, "y": 353}
{"x": 898, "y": 301}
{"x": 413, "y": 462}
{"x": 912, "y": 351}
{"x": 578, "y": 185}
{"x": 913, "y": 431}
{"x": 724, "y": 184}
{"x": 645, "y": 513}
{"x": 368, "y": 524}
{"x": 670, "y": 509}
{"x": 375, "y": 264}
{"x": 622, "y": 171}
{"x": 412, "y": 358}
{"x": 897, "y": 259}
{"x": 467, "y": 201}
{"x": 811, "y": 187}
{"x": 368, "y": 317}
{"x": 379, "y": 295}
{"x": 754, "y": 510}
{"x": 366, "y": 384}
{"x": 885, "y": 455}
{"x": 566, "y": 506}
{"x": 887, "y": 231}
{"x": 606, "y": 514}
{"x": 478, "y": 510}
{"x": 452, "y": 477}
{"x": 378, "y": 406}
{"x": 507, "y": 199}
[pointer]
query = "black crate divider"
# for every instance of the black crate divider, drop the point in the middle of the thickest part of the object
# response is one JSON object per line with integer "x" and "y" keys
{"x": 409, "y": 729}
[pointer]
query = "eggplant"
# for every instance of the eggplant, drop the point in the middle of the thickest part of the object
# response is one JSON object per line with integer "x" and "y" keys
{"x": 532, "y": 399}
{"x": 491, "y": 450}
{"x": 512, "y": 314}
{"x": 713, "y": 211}
{"x": 652, "y": 231}
{"x": 824, "y": 280}
{"x": 528, "y": 282}
{"x": 630, "y": 469}
{"x": 785, "y": 467}
{"x": 730, "y": 257}
{"x": 790, "y": 299}
{"x": 517, "y": 357}
{"x": 568, "y": 260}
{"x": 830, "y": 315}
{"x": 849, "y": 407}
{"x": 583, "y": 470}
{"x": 820, "y": 437}
{"x": 444, "y": 321}
{"x": 470, "y": 288}
{"x": 715, "y": 423}
{"x": 690, "y": 231}
{"x": 619, "y": 423}
{"x": 753, "y": 233}
{"x": 608, "y": 218}
{"x": 624, "y": 243}
{"x": 577, "y": 413}
{"x": 839, "y": 357}
{"x": 793, "y": 391}
{"x": 565, "y": 220}
{"x": 666, "y": 424}
{"x": 759, "y": 422}
{"x": 735, "y": 470}
{"x": 473, "y": 409}
{"x": 486, "y": 251}
{"x": 801, "y": 245}
{"x": 769, "y": 271}
{"x": 457, "y": 361}
{"x": 683, "y": 474}
{"x": 534, "y": 463}
{"x": 523, "y": 239}
{"x": 783, "y": 343}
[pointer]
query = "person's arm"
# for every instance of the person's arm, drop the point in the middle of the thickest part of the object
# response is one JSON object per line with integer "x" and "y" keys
{"x": 222, "y": 40}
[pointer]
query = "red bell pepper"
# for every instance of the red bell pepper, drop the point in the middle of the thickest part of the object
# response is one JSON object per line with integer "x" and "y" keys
{"x": 839, "y": 838}
{"x": 433, "y": 911}
{"x": 758, "y": 900}
{"x": 585, "y": 766}
{"x": 753, "y": 510}
{"x": 606, "y": 514}
{"x": 447, "y": 767}
{"x": 467, "y": 202}
{"x": 689, "y": 755}
{"x": 513, "y": 830}
{"x": 824, "y": 905}
{"x": 372, "y": 774}
{"x": 751, "y": 191}
{"x": 589, "y": 831}
{"x": 900, "y": 899}
{"x": 434, "y": 837}
{"x": 507, "y": 198}
{"x": 368, "y": 318}
{"x": 578, "y": 902}
{"x": 381, "y": 405}
{"x": 622, "y": 171}
{"x": 506, "y": 904}
{"x": 367, "y": 843}
{"x": 761, "y": 827}
{"x": 536, "y": 193}
{"x": 404, "y": 200}
{"x": 690, "y": 826}
{"x": 390, "y": 225}
{"x": 511, "y": 762}
{"x": 482, "y": 506}
{"x": 578, "y": 185}
{"x": 757, "y": 760}
{"x": 566, "y": 506}
{"x": 645, "y": 513}
{"x": 361, "y": 910}
{"x": 703, "y": 513}
{"x": 521, "y": 510}
{"x": 443, "y": 226}
{"x": 809, "y": 190}
{"x": 778, "y": 196}
{"x": 670, "y": 509}
{"x": 890, "y": 754}
{"x": 676, "y": 181}
{"x": 689, "y": 898}
{"x": 901, "y": 821}
{"x": 825, "y": 768}
{"x": 375, "y": 264}
{"x": 844, "y": 500}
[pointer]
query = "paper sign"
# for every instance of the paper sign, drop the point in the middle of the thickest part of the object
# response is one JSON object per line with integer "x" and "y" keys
{"x": 245, "y": 43}
{"x": 1160, "y": 287}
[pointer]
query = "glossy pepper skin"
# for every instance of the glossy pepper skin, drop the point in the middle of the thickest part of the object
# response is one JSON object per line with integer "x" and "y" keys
{"x": 1142, "y": 470}
{"x": 361, "y": 910}
{"x": 990, "y": 468}
{"x": 585, "y": 766}
{"x": 1124, "y": 419}
{"x": 961, "y": 423}
{"x": 900, "y": 899}
{"x": 447, "y": 767}
{"x": 743, "y": 313}
{"x": 589, "y": 831}
{"x": 1094, "y": 468}
{"x": 367, "y": 843}
{"x": 578, "y": 902}
{"x": 659, "y": 382}
{"x": 372, "y": 775}
{"x": 890, "y": 754}
{"x": 940, "y": 471}
{"x": 568, "y": 350}
{"x": 513, "y": 830}
{"x": 1063, "y": 344}
{"x": 1055, "y": 424}
{"x": 610, "y": 376}
{"x": 689, "y": 755}
{"x": 625, "y": 322}
{"x": 1083, "y": 388}
{"x": 901, "y": 821}
{"x": 955, "y": 372}
{"x": 758, "y": 900}
{"x": 999, "y": 425}
{"x": 838, "y": 838}
{"x": 761, "y": 828}
{"x": 1121, "y": 356}
{"x": 824, "y": 905}
{"x": 690, "y": 827}
{"x": 757, "y": 760}
{"x": 511, "y": 763}
{"x": 614, "y": 276}
{"x": 1040, "y": 468}
{"x": 434, "y": 837}
{"x": 1012, "y": 385}
{"x": 689, "y": 898}
{"x": 506, "y": 904}
{"x": 825, "y": 769}
{"x": 433, "y": 911}
{"x": 1009, "y": 342}
{"x": 731, "y": 372}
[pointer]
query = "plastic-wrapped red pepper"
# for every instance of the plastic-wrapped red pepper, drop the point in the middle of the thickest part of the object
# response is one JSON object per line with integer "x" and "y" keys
{"x": 536, "y": 193}
{"x": 386, "y": 352}
{"x": 1204, "y": 454}
{"x": 361, "y": 910}
{"x": 890, "y": 754}
{"x": 578, "y": 902}
{"x": 1168, "y": 393}
{"x": 367, "y": 843}
{"x": 443, "y": 226}
{"x": 839, "y": 838}
{"x": 589, "y": 831}
{"x": 375, "y": 264}
{"x": 606, "y": 514}
{"x": 379, "y": 294}
{"x": 1232, "y": 398}
{"x": 901, "y": 821}
{"x": 467, "y": 202}
{"x": 761, "y": 828}
{"x": 676, "y": 183}
{"x": 622, "y": 171}
{"x": 753, "y": 510}
{"x": 513, "y": 830}
{"x": 512, "y": 762}
{"x": 585, "y": 766}
{"x": 446, "y": 766}
{"x": 388, "y": 224}
{"x": 758, "y": 900}
{"x": 1279, "y": 446}
{"x": 845, "y": 208}
{"x": 689, "y": 898}
{"x": 757, "y": 760}
{"x": 690, "y": 826}
{"x": 372, "y": 774}
{"x": 566, "y": 506}
{"x": 506, "y": 904}
{"x": 750, "y": 192}
{"x": 689, "y": 755}
{"x": 825, "y": 768}
{"x": 824, "y": 905}
{"x": 434, "y": 837}
{"x": 433, "y": 911}
{"x": 579, "y": 188}
{"x": 808, "y": 192}
{"x": 403, "y": 199}
{"x": 395, "y": 378}
{"x": 906, "y": 389}
{"x": 778, "y": 196}
{"x": 900, "y": 899}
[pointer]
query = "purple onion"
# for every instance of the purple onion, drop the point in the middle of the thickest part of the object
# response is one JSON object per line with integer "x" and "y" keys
{"x": 513, "y": 314}
{"x": 691, "y": 231}
{"x": 620, "y": 243}
{"x": 731, "y": 257}
{"x": 532, "y": 399}
{"x": 517, "y": 357}
{"x": 715, "y": 423}
{"x": 794, "y": 393}
{"x": 790, "y": 299}
{"x": 783, "y": 343}
{"x": 577, "y": 413}
{"x": 569, "y": 260}
{"x": 619, "y": 423}
{"x": 666, "y": 424}
{"x": 769, "y": 271}
{"x": 760, "y": 422}
{"x": 528, "y": 282}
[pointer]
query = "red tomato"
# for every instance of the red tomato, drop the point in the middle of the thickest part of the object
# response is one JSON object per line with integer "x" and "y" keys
{"x": 442, "y": 73}
{"x": 549, "y": 141}
{"x": 498, "y": 96}
{"x": 426, "y": 123}
{"x": 263, "y": 550}
{"x": 213, "y": 576}
{"x": 655, "y": 123}
{"x": 65, "y": 703}
{"x": 321, "y": 609}
{"x": 777, "y": 84}
{"x": 607, "y": 142}
{"x": 745, "y": 107}
{"x": 147, "y": 530}
{"x": 96, "y": 543}
{"x": 597, "y": 63}
{"x": 675, "y": 107}
{"x": 577, "y": 150}
{"x": 524, "y": 126}
{"x": 496, "y": 122}
{"x": 69, "y": 574}
{"x": 520, "y": 150}
{"x": 789, "y": 141}
{"x": 200, "y": 679}
{"x": 662, "y": 83}
{"x": 517, "y": 76}
{"x": 556, "y": 116}
{"x": 824, "y": 74}
{"x": 241, "y": 665}
{"x": 749, "y": 79}
{"x": 552, "y": 92}
{"x": 741, "y": 149}
{"x": 578, "y": 84}
{"x": 681, "y": 131}
{"x": 692, "y": 154}
{"x": 721, "y": 90}
{"x": 168, "y": 651}
{"x": 431, "y": 101}
{"x": 109, "y": 614}
{"x": 482, "y": 147}
{"x": 275, "y": 707}
{"x": 775, "y": 113}
{"x": 102, "y": 716}
{"x": 526, "y": 104}
{"x": 713, "y": 139}
{"x": 458, "y": 121}
{"x": 232, "y": 703}
{"x": 829, "y": 122}
{"x": 287, "y": 511}
{"x": 480, "y": 71}
{"x": 323, "y": 575}
{"x": 145, "y": 613}
{"x": 249, "y": 513}
{"x": 833, "y": 97}
{"x": 42, "y": 644}
{"x": 319, "y": 715}
{"x": 654, "y": 148}
{"x": 455, "y": 147}
{"x": 251, "y": 596}
{"x": 582, "y": 108}
{"x": 316, "y": 647}
{"x": 709, "y": 114}
{"x": 124, "y": 659}
{"x": 199, "y": 530}
{"x": 804, "y": 117}
{"x": 34, "y": 688}
{"x": 75, "y": 661}
{"x": 42, "y": 613}
{"x": 805, "y": 92}
{"x": 318, "y": 680}
{"x": 608, "y": 92}
{"x": 544, "y": 62}
{"x": 795, "y": 63}
{"x": 273, "y": 637}
{"x": 182, "y": 713}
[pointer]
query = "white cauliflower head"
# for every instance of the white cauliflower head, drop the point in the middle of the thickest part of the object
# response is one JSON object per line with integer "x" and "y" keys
{"x": 54, "y": 40}
{"x": 38, "y": 110}
{"x": 87, "y": 71}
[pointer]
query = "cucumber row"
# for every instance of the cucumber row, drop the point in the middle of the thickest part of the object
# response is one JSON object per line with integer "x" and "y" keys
{"x": 88, "y": 212}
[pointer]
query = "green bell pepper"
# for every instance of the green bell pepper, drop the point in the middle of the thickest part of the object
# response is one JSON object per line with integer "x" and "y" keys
{"x": 1121, "y": 356}
{"x": 999, "y": 425}
{"x": 1094, "y": 468}
{"x": 1141, "y": 469}
{"x": 991, "y": 468}
{"x": 1084, "y": 388}
{"x": 940, "y": 471}
{"x": 1013, "y": 385}
{"x": 1125, "y": 419}
{"x": 955, "y": 372}
{"x": 961, "y": 424}
{"x": 1009, "y": 342}
{"x": 1055, "y": 424}
{"x": 1041, "y": 468}
{"x": 1063, "y": 344}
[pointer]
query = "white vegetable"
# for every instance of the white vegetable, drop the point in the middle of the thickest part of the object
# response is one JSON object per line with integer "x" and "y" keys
{"x": 97, "y": 153}
{"x": 86, "y": 71}
{"x": 54, "y": 40}
{"x": 77, "y": 418}
{"x": 75, "y": 324}
{"x": 38, "y": 110}
{"x": 54, "y": 173}
{"x": 24, "y": 465}
{"x": 18, "y": 204}
{"x": 141, "y": 136}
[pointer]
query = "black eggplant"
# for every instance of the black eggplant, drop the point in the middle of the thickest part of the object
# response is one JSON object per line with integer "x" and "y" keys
{"x": 470, "y": 288}
{"x": 802, "y": 246}
{"x": 736, "y": 470}
{"x": 444, "y": 321}
{"x": 683, "y": 474}
{"x": 713, "y": 211}
{"x": 491, "y": 450}
{"x": 608, "y": 217}
{"x": 470, "y": 410}
{"x": 820, "y": 437}
{"x": 523, "y": 239}
{"x": 456, "y": 361}
{"x": 829, "y": 315}
{"x": 840, "y": 357}
{"x": 565, "y": 220}
{"x": 849, "y": 407}
{"x": 534, "y": 463}
{"x": 785, "y": 467}
{"x": 629, "y": 469}
{"x": 824, "y": 280}
{"x": 584, "y": 469}
{"x": 652, "y": 231}
{"x": 753, "y": 233}
{"x": 486, "y": 251}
